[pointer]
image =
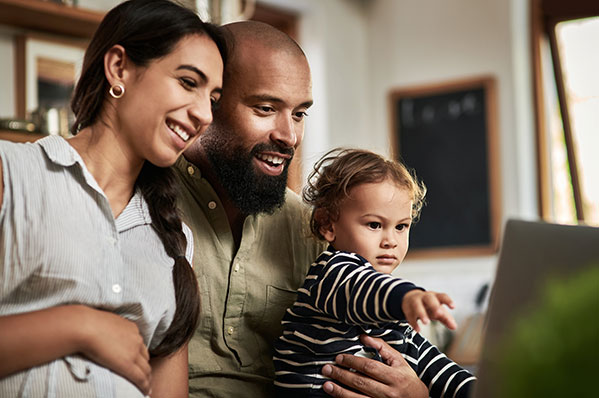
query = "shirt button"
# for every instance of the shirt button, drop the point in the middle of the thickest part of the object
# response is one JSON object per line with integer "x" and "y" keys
{"x": 190, "y": 170}
{"x": 112, "y": 240}
{"x": 230, "y": 330}
{"x": 236, "y": 267}
{"x": 212, "y": 205}
{"x": 116, "y": 288}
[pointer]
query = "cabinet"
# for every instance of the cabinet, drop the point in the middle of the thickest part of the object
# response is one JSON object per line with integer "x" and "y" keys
{"x": 19, "y": 136}
{"x": 48, "y": 18}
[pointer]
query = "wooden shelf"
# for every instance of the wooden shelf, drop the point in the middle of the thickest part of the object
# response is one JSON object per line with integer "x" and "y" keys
{"x": 45, "y": 16}
{"x": 19, "y": 136}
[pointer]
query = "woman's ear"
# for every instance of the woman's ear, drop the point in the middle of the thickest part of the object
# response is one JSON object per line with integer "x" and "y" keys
{"x": 115, "y": 65}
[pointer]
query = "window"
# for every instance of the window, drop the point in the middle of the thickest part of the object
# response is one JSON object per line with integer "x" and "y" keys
{"x": 566, "y": 65}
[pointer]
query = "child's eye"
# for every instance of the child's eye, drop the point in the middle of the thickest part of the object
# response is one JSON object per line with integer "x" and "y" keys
{"x": 401, "y": 227}
{"x": 374, "y": 225}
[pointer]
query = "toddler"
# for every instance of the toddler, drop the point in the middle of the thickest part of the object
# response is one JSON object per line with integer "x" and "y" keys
{"x": 364, "y": 206}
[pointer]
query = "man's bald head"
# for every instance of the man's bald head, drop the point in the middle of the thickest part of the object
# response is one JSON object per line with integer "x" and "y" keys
{"x": 259, "y": 122}
{"x": 248, "y": 37}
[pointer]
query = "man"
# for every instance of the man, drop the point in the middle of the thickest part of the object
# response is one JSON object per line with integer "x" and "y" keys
{"x": 251, "y": 238}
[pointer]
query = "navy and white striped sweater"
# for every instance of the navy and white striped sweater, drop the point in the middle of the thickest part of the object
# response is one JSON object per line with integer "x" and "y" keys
{"x": 342, "y": 297}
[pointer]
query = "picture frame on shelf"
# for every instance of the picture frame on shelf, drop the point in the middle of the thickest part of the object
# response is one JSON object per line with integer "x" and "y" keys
{"x": 46, "y": 73}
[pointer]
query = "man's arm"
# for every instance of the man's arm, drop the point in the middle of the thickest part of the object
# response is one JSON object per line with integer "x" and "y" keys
{"x": 393, "y": 378}
{"x": 440, "y": 376}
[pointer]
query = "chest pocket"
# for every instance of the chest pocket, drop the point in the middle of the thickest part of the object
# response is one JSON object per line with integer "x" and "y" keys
{"x": 277, "y": 302}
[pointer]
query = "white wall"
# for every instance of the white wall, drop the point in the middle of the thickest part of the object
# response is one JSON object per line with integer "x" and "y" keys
{"x": 7, "y": 71}
{"x": 421, "y": 42}
{"x": 361, "y": 49}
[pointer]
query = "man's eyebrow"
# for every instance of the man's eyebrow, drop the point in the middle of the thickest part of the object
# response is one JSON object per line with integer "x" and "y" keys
{"x": 192, "y": 68}
{"x": 277, "y": 100}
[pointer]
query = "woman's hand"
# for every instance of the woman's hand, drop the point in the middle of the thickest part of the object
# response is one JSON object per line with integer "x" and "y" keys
{"x": 115, "y": 343}
{"x": 35, "y": 338}
{"x": 392, "y": 379}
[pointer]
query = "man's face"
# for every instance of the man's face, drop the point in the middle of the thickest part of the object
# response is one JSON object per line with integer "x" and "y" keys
{"x": 258, "y": 126}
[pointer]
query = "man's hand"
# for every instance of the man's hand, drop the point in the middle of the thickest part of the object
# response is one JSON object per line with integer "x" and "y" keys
{"x": 418, "y": 304}
{"x": 392, "y": 379}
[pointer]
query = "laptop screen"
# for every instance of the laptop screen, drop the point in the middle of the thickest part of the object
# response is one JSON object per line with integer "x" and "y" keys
{"x": 532, "y": 253}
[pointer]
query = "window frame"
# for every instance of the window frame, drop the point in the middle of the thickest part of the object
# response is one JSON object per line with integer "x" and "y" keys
{"x": 545, "y": 15}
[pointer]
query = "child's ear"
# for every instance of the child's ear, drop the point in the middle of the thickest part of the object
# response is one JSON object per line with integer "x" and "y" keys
{"x": 328, "y": 232}
{"x": 327, "y": 229}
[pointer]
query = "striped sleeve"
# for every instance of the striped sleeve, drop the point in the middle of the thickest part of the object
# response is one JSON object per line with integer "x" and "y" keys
{"x": 443, "y": 377}
{"x": 352, "y": 291}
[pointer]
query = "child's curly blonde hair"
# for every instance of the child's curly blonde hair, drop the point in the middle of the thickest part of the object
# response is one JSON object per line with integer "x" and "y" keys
{"x": 341, "y": 169}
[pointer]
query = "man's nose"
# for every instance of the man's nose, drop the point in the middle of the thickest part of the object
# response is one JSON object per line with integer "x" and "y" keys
{"x": 285, "y": 133}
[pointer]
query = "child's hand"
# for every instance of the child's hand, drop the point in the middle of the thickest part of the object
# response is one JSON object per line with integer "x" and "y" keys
{"x": 418, "y": 304}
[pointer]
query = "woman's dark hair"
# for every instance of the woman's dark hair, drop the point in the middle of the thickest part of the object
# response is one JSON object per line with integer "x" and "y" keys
{"x": 148, "y": 30}
{"x": 339, "y": 170}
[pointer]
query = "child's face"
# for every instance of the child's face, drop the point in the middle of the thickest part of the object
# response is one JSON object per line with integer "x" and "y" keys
{"x": 374, "y": 222}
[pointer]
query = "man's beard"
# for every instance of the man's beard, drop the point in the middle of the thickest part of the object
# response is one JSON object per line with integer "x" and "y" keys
{"x": 250, "y": 191}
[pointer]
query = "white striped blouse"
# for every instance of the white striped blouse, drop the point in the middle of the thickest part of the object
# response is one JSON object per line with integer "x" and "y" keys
{"x": 60, "y": 244}
{"x": 343, "y": 297}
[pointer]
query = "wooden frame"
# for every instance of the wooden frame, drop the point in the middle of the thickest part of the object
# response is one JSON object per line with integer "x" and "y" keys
{"x": 50, "y": 17}
{"x": 48, "y": 64}
{"x": 448, "y": 133}
{"x": 545, "y": 15}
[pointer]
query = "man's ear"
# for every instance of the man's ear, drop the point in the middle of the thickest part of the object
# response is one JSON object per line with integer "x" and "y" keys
{"x": 115, "y": 65}
{"x": 327, "y": 227}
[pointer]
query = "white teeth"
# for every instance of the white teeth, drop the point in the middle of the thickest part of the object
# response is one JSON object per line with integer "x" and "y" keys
{"x": 180, "y": 132}
{"x": 276, "y": 160}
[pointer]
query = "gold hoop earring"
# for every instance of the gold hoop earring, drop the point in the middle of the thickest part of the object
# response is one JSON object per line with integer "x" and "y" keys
{"x": 117, "y": 91}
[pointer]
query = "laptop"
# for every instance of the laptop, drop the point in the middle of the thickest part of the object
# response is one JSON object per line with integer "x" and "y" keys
{"x": 531, "y": 253}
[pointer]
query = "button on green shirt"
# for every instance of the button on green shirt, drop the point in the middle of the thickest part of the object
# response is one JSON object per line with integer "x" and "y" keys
{"x": 244, "y": 294}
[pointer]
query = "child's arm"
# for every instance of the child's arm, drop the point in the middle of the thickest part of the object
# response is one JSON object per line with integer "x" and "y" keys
{"x": 35, "y": 338}
{"x": 357, "y": 294}
{"x": 422, "y": 305}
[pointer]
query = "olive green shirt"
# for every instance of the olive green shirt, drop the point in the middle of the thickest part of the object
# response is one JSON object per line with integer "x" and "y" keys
{"x": 243, "y": 294}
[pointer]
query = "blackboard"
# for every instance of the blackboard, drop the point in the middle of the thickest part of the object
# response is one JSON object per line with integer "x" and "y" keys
{"x": 447, "y": 133}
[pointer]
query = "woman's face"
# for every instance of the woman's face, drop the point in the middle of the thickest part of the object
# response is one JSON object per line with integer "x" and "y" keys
{"x": 168, "y": 104}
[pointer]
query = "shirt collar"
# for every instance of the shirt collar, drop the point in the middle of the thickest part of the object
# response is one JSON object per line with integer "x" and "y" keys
{"x": 60, "y": 152}
{"x": 135, "y": 213}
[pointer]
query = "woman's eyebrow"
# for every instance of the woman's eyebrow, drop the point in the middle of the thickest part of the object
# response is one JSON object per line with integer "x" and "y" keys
{"x": 192, "y": 68}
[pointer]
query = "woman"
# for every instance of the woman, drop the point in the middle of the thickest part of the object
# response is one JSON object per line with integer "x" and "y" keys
{"x": 97, "y": 297}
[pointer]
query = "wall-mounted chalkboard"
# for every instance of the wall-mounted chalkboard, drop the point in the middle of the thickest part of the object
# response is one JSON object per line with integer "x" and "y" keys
{"x": 447, "y": 134}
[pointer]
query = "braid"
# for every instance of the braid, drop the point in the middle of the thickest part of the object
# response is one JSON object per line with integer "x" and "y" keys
{"x": 159, "y": 188}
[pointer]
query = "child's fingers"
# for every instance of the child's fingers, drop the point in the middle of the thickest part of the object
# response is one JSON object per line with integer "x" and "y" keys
{"x": 437, "y": 311}
{"x": 445, "y": 299}
{"x": 447, "y": 319}
{"x": 417, "y": 311}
